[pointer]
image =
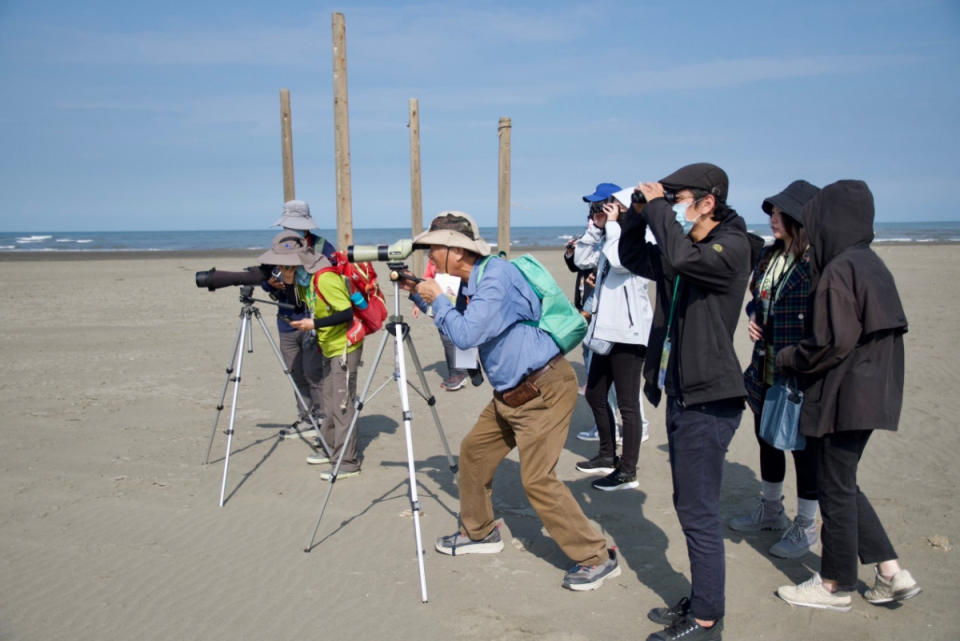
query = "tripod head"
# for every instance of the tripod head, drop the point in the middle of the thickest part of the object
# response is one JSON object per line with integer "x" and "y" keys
{"x": 400, "y": 271}
{"x": 246, "y": 297}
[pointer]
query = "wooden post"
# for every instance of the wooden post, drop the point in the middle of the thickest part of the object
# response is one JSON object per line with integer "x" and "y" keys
{"x": 416, "y": 194}
{"x": 286, "y": 146}
{"x": 341, "y": 134}
{"x": 503, "y": 200}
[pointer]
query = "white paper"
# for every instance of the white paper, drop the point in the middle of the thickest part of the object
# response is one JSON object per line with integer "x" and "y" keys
{"x": 449, "y": 284}
{"x": 465, "y": 358}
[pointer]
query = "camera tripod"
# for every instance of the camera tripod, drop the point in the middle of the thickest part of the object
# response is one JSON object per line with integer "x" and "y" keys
{"x": 245, "y": 333}
{"x": 400, "y": 331}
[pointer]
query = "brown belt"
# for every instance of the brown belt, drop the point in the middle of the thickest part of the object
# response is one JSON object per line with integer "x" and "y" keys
{"x": 526, "y": 389}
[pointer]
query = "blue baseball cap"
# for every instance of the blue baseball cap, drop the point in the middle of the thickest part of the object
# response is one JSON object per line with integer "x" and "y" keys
{"x": 603, "y": 191}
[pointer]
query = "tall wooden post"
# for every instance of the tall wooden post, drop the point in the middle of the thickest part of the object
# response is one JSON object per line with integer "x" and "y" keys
{"x": 416, "y": 195}
{"x": 503, "y": 196}
{"x": 341, "y": 134}
{"x": 286, "y": 146}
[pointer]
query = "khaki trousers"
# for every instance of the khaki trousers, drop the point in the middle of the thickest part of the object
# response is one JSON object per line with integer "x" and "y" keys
{"x": 539, "y": 429}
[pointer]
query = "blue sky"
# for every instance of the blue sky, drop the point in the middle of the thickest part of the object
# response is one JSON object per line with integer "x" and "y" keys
{"x": 130, "y": 116}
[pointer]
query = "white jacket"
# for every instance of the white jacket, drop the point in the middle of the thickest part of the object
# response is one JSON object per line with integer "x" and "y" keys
{"x": 619, "y": 303}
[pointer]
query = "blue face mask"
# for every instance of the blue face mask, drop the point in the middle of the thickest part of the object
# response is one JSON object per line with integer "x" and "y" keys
{"x": 303, "y": 277}
{"x": 680, "y": 215}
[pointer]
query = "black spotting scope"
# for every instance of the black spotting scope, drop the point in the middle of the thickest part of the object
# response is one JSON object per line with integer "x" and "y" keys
{"x": 213, "y": 279}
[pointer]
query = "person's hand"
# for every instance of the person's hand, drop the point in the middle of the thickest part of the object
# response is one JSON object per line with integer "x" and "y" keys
{"x": 568, "y": 250}
{"x": 276, "y": 283}
{"x": 406, "y": 284}
{"x": 304, "y": 324}
{"x": 591, "y": 279}
{"x": 611, "y": 211}
{"x": 429, "y": 290}
{"x": 416, "y": 312}
{"x": 651, "y": 190}
{"x": 755, "y": 331}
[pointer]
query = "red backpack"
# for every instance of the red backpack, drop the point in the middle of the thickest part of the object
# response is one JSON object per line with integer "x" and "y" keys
{"x": 371, "y": 310}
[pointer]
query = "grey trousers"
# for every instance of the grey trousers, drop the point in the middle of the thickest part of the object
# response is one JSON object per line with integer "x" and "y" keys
{"x": 305, "y": 362}
{"x": 339, "y": 390}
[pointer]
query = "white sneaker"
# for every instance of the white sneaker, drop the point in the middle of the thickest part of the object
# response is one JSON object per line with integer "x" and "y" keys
{"x": 900, "y": 587}
{"x": 326, "y": 476}
{"x": 812, "y": 594}
{"x": 318, "y": 458}
{"x": 797, "y": 540}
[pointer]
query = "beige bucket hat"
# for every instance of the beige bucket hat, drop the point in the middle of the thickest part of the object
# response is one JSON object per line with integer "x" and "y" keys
{"x": 453, "y": 229}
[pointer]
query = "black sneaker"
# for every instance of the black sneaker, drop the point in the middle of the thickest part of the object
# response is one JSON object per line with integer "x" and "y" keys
{"x": 598, "y": 465}
{"x": 687, "y": 629}
{"x": 616, "y": 480}
{"x": 669, "y": 616}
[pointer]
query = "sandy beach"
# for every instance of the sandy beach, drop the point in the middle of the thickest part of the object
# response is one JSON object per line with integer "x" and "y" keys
{"x": 110, "y": 527}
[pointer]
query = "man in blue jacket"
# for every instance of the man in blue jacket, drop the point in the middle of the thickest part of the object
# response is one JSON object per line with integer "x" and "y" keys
{"x": 535, "y": 391}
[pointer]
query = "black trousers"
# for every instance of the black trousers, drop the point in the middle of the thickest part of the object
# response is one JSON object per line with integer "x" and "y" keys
{"x": 851, "y": 528}
{"x": 773, "y": 464}
{"x": 623, "y": 368}
{"x": 698, "y": 437}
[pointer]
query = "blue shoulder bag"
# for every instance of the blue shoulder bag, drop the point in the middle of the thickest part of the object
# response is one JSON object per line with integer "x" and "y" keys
{"x": 780, "y": 417}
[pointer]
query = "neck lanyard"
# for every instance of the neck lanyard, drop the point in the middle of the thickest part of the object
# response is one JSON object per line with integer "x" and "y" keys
{"x": 673, "y": 303}
{"x": 667, "y": 343}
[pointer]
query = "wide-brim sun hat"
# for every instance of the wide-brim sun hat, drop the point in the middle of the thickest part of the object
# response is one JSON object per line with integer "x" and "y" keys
{"x": 453, "y": 229}
{"x": 296, "y": 215}
{"x": 285, "y": 249}
{"x": 792, "y": 199}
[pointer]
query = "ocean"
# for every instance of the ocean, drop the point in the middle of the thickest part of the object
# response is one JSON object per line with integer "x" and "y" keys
{"x": 527, "y": 237}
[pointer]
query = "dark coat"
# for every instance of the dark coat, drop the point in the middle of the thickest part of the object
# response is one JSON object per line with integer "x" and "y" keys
{"x": 851, "y": 365}
{"x": 713, "y": 273}
{"x": 582, "y": 290}
{"x": 786, "y": 323}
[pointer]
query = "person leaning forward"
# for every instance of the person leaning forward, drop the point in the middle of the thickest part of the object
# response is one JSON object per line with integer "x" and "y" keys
{"x": 701, "y": 278}
{"x": 535, "y": 391}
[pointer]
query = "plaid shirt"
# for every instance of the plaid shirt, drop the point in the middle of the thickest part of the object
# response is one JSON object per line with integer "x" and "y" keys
{"x": 787, "y": 322}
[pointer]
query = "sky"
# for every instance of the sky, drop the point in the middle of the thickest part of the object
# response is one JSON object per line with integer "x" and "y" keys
{"x": 166, "y": 116}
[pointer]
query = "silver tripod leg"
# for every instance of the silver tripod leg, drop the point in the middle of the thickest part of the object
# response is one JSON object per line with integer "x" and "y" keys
{"x": 244, "y": 329}
{"x": 411, "y": 470}
{"x": 431, "y": 401}
{"x": 358, "y": 405}
{"x": 226, "y": 384}
{"x": 236, "y": 364}
{"x": 400, "y": 375}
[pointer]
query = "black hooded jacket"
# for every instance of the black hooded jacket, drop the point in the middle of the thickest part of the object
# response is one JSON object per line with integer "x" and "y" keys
{"x": 703, "y": 366}
{"x": 851, "y": 366}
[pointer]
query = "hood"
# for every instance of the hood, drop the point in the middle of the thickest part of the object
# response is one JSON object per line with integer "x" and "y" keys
{"x": 838, "y": 218}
